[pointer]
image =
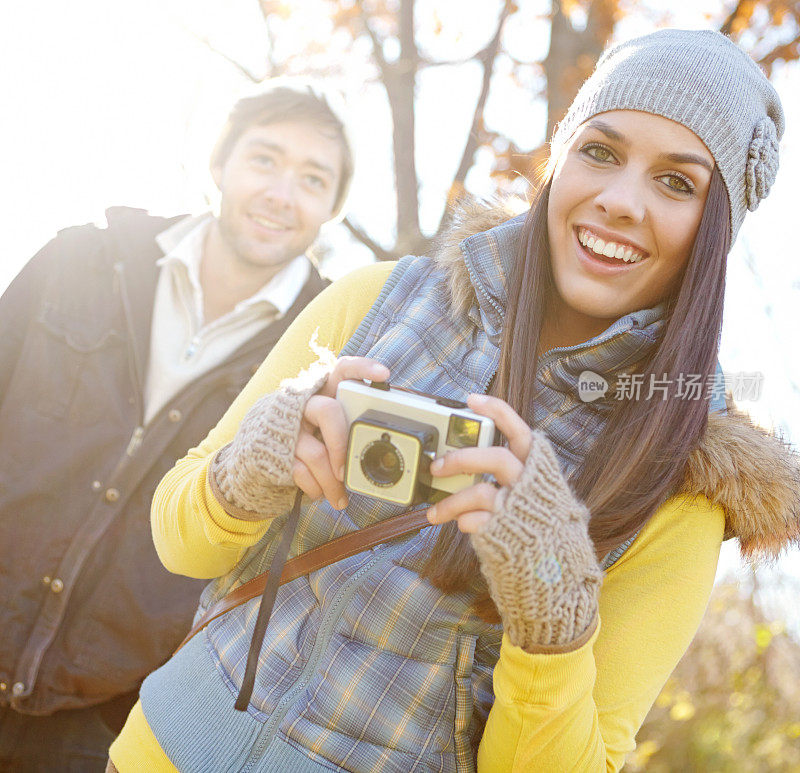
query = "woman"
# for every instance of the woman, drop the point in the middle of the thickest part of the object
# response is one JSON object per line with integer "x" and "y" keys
{"x": 393, "y": 659}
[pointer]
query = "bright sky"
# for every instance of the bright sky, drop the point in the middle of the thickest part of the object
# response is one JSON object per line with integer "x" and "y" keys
{"x": 108, "y": 103}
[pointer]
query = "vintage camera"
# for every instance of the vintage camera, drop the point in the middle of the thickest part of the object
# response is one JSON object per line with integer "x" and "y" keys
{"x": 394, "y": 435}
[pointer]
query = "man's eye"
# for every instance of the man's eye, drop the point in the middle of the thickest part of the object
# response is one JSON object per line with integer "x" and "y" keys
{"x": 315, "y": 181}
{"x": 265, "y": 161}
{"x": 598, "y": 152}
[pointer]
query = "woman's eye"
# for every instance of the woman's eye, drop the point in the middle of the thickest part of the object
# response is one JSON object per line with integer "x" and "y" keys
{"x": 265, "y": 161}
{"x": 598, "y": 152}
{"x": 678, "y": 183}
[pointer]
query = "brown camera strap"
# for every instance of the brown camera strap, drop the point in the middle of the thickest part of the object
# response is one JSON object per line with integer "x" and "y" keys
{"x": 342, "y": 547}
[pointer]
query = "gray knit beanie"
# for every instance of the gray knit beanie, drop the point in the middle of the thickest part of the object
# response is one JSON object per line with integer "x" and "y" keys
{"x": 701, "y": 79}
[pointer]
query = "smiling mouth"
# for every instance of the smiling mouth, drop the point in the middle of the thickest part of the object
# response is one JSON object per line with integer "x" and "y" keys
{"x": 272, "y": 225}
{"x": 608, "y": 251}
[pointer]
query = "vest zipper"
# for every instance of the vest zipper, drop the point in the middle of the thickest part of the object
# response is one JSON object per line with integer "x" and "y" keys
{"x": 475, "y": 283}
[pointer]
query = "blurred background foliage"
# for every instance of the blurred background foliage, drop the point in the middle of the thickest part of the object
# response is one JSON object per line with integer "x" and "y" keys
{"x": 733, "y": 702}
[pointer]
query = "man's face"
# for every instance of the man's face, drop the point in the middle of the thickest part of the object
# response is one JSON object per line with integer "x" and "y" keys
{"x": 278, "y": 187}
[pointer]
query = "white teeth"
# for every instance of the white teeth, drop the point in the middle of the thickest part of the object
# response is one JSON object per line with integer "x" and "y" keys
{"x": 608, "y": 249}
{"x": 267, "y": 223}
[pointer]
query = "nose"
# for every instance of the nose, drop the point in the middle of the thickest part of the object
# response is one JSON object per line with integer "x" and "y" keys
{"x": 622, "y": 196}
{"x": 280, "y": 191}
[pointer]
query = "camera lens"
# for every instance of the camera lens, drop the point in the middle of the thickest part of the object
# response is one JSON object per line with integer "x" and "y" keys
{"x": 382, "y": 463}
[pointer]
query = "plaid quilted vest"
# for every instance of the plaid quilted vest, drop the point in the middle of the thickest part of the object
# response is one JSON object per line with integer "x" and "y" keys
{"x": 366, "y": 666}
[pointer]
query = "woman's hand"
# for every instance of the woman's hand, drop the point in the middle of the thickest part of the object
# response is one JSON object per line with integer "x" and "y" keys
{"x": 294, "y": 436}
{"x": 319, "y": 455}
{"x": 472, "y": 507}
{"x": 530, "y": 534}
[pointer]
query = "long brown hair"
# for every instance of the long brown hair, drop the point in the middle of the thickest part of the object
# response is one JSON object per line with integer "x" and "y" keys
{"x": 652, "y": 439}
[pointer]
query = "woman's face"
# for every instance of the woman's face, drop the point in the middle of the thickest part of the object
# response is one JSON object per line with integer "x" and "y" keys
{"x": 630, "y": 183}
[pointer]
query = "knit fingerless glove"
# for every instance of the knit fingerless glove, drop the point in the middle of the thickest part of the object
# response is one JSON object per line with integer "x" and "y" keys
{"x": 251, "y": 477}
{"x": 538, "y": 558}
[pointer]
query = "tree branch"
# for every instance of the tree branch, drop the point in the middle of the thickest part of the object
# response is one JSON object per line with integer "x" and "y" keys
{"x": 400, "y": 81}
{"x": 361, "y": 236}
{"x": 274, "y": 68}
{"x": 377, "y": 47}
{"x": 727, "y": 25}
{"x": 238, "y": 65}
{"x": 487, "y": 58}
{"x": 522, "y": 62}
{"x": 425, "y": 62}
{"x": 780, "y": 52}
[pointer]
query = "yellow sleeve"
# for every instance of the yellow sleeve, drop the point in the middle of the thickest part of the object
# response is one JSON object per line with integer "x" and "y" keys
{"x": 193, "y": 535}
{"x": 136, "y": 748}
{"x": 581, "y": 710}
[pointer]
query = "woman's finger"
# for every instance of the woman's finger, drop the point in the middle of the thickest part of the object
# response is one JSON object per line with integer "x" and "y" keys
{"x": 354, "y": 368}
{"x": 314, "y": 455}
{"x": 327, "y": 415}
{"x": 305, "y": 481}
{"x": 473, "y": 521}
{"x": 497, "y": 461}
{"x": 507, "y": 420}
{"x": 481, "y": 496}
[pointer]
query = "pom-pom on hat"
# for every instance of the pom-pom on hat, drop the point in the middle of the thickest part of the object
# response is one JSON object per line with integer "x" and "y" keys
{"x": 701, "y": 79}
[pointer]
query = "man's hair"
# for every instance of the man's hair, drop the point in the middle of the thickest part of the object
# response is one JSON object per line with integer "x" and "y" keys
{"x": 287, "y": 103}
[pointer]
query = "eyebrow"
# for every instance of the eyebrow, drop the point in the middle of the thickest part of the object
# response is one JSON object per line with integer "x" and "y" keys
{"x": 280, "y": 150}
{"x": 675, "y": 158}
{"x": 688, "y": 158}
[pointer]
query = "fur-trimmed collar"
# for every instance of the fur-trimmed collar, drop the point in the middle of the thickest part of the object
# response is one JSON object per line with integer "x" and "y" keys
{"x": 753, "y": 474}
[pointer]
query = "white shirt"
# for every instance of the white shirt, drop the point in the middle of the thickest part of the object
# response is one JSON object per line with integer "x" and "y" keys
{"x": 182, "y": 346}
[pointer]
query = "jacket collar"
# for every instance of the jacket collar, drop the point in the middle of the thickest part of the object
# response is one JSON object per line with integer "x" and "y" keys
{"x": 748, "y": 471}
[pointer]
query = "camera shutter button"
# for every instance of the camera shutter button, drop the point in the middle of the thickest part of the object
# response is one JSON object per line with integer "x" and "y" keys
{"x": 450, "y": 403}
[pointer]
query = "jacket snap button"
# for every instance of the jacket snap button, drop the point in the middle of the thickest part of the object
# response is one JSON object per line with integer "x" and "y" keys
{"x": 112, "y": 495}
{"x": 18, "y": 688}
{"x": 96, "y": 485}
{"x": 3, "y": 686}
{"x": 57, "y": 585}
{"x": 174, "y": 415}
{"x": 46, "y": 579}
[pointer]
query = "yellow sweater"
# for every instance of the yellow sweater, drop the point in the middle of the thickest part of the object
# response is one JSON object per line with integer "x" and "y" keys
{"x": 576, "y": 711}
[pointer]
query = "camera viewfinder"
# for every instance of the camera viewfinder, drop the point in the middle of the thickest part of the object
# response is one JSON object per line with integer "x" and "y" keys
{"x": 462, "y": 432}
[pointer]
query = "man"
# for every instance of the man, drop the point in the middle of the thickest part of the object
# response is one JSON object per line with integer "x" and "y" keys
{"x": 121, "y": 347}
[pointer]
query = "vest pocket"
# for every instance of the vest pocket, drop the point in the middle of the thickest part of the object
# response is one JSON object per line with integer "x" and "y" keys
{"x": 387, "y": 711}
